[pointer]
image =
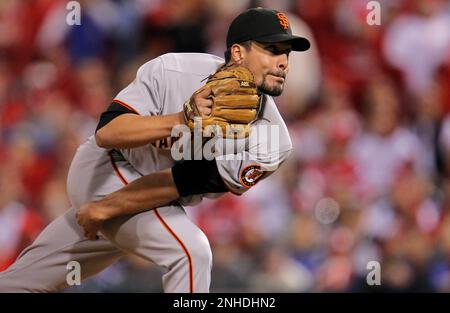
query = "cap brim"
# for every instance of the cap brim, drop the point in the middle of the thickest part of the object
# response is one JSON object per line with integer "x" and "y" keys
{"x": 298, "y": 43}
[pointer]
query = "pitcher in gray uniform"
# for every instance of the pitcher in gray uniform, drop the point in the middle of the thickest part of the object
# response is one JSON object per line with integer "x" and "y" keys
{"x": 126, "y": 189}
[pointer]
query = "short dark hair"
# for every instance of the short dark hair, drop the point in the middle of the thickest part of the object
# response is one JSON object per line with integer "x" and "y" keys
{"x": 246, "y": 44}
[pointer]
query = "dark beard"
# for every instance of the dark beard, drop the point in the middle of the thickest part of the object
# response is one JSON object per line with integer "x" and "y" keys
{"x": 271, "y": 91}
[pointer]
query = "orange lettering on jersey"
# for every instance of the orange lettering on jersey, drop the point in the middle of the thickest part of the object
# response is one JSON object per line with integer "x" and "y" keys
{"x": 284, "y": 22}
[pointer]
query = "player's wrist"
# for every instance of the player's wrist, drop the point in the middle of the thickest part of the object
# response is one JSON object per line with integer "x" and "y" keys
{"x": 181, "y": 118}
{"x": 98, "y": 211}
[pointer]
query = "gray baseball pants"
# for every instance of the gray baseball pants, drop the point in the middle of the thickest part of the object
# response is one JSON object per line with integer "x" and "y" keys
{"x": 165, "y": 236}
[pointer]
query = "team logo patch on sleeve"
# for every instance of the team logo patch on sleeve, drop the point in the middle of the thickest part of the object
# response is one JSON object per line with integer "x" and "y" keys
{"x": 250, "y": 175}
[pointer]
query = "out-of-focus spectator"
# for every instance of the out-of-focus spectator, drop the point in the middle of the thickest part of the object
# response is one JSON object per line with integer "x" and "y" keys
{"x": 429, "y": 113}
{"x": 322, "y": 149}
{"x": 221, "y": 14}
{"x": 385, "y": 146}
{"x": 444, "y": 141}
{"x": 418, "y": 42}
{"x": 307, "y": 241}
{"x": 19, "y": 223}
{"x": 280, "y": 273}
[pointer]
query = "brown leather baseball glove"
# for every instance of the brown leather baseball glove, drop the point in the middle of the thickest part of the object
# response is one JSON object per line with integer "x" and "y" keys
{"x": 236, "y": 103}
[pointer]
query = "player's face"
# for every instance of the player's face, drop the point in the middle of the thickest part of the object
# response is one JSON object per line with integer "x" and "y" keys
{"x": 269, "y": 63}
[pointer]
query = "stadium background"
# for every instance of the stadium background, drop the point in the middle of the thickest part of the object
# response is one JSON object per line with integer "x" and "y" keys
{"x": 368, "y": 108}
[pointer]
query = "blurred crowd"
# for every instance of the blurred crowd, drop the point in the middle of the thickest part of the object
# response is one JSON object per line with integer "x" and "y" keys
{"x": 368, "y": 109}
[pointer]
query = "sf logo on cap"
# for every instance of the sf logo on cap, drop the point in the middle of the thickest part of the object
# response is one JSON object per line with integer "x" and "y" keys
{"x": 283, "y": 20}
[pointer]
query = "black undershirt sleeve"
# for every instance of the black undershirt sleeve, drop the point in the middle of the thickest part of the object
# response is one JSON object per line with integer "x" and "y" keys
{"x": 195, "y": 177}
{"x": 114, "y": 110}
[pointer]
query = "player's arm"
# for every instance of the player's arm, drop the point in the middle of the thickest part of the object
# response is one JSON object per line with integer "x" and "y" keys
{"x": 151, "y": 191}
{"x": 142, "y": 194}
{"x": 129, "y": 130}
{"x": 121, "y": 127}
{"x": 134, "y": 117}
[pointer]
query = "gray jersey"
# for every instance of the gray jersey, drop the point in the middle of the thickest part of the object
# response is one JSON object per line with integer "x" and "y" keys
{"x": 161, "y": 87}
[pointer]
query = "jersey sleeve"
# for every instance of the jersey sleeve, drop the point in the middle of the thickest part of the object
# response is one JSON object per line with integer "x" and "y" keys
{"x": 114, "y": 110}
{"x": 268, "y": 146}
{"x": 144, "y": 94}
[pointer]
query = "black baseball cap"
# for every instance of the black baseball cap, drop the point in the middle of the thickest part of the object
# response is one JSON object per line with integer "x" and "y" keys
{"x": 266, "y": 26}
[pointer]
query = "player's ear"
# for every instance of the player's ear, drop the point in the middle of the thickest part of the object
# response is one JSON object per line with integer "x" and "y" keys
{"x": 237, "y": 54}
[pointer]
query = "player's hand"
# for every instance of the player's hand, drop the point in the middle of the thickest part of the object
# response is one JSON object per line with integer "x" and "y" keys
{"x": 203, "y": 102}
{"x": 89, "y": 219}
{"x": 229, "y": 100}
{"x": 199, "y": 105}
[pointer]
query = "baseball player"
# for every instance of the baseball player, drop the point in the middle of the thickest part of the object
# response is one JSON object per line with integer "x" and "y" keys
{"x": 126, "y": 189}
